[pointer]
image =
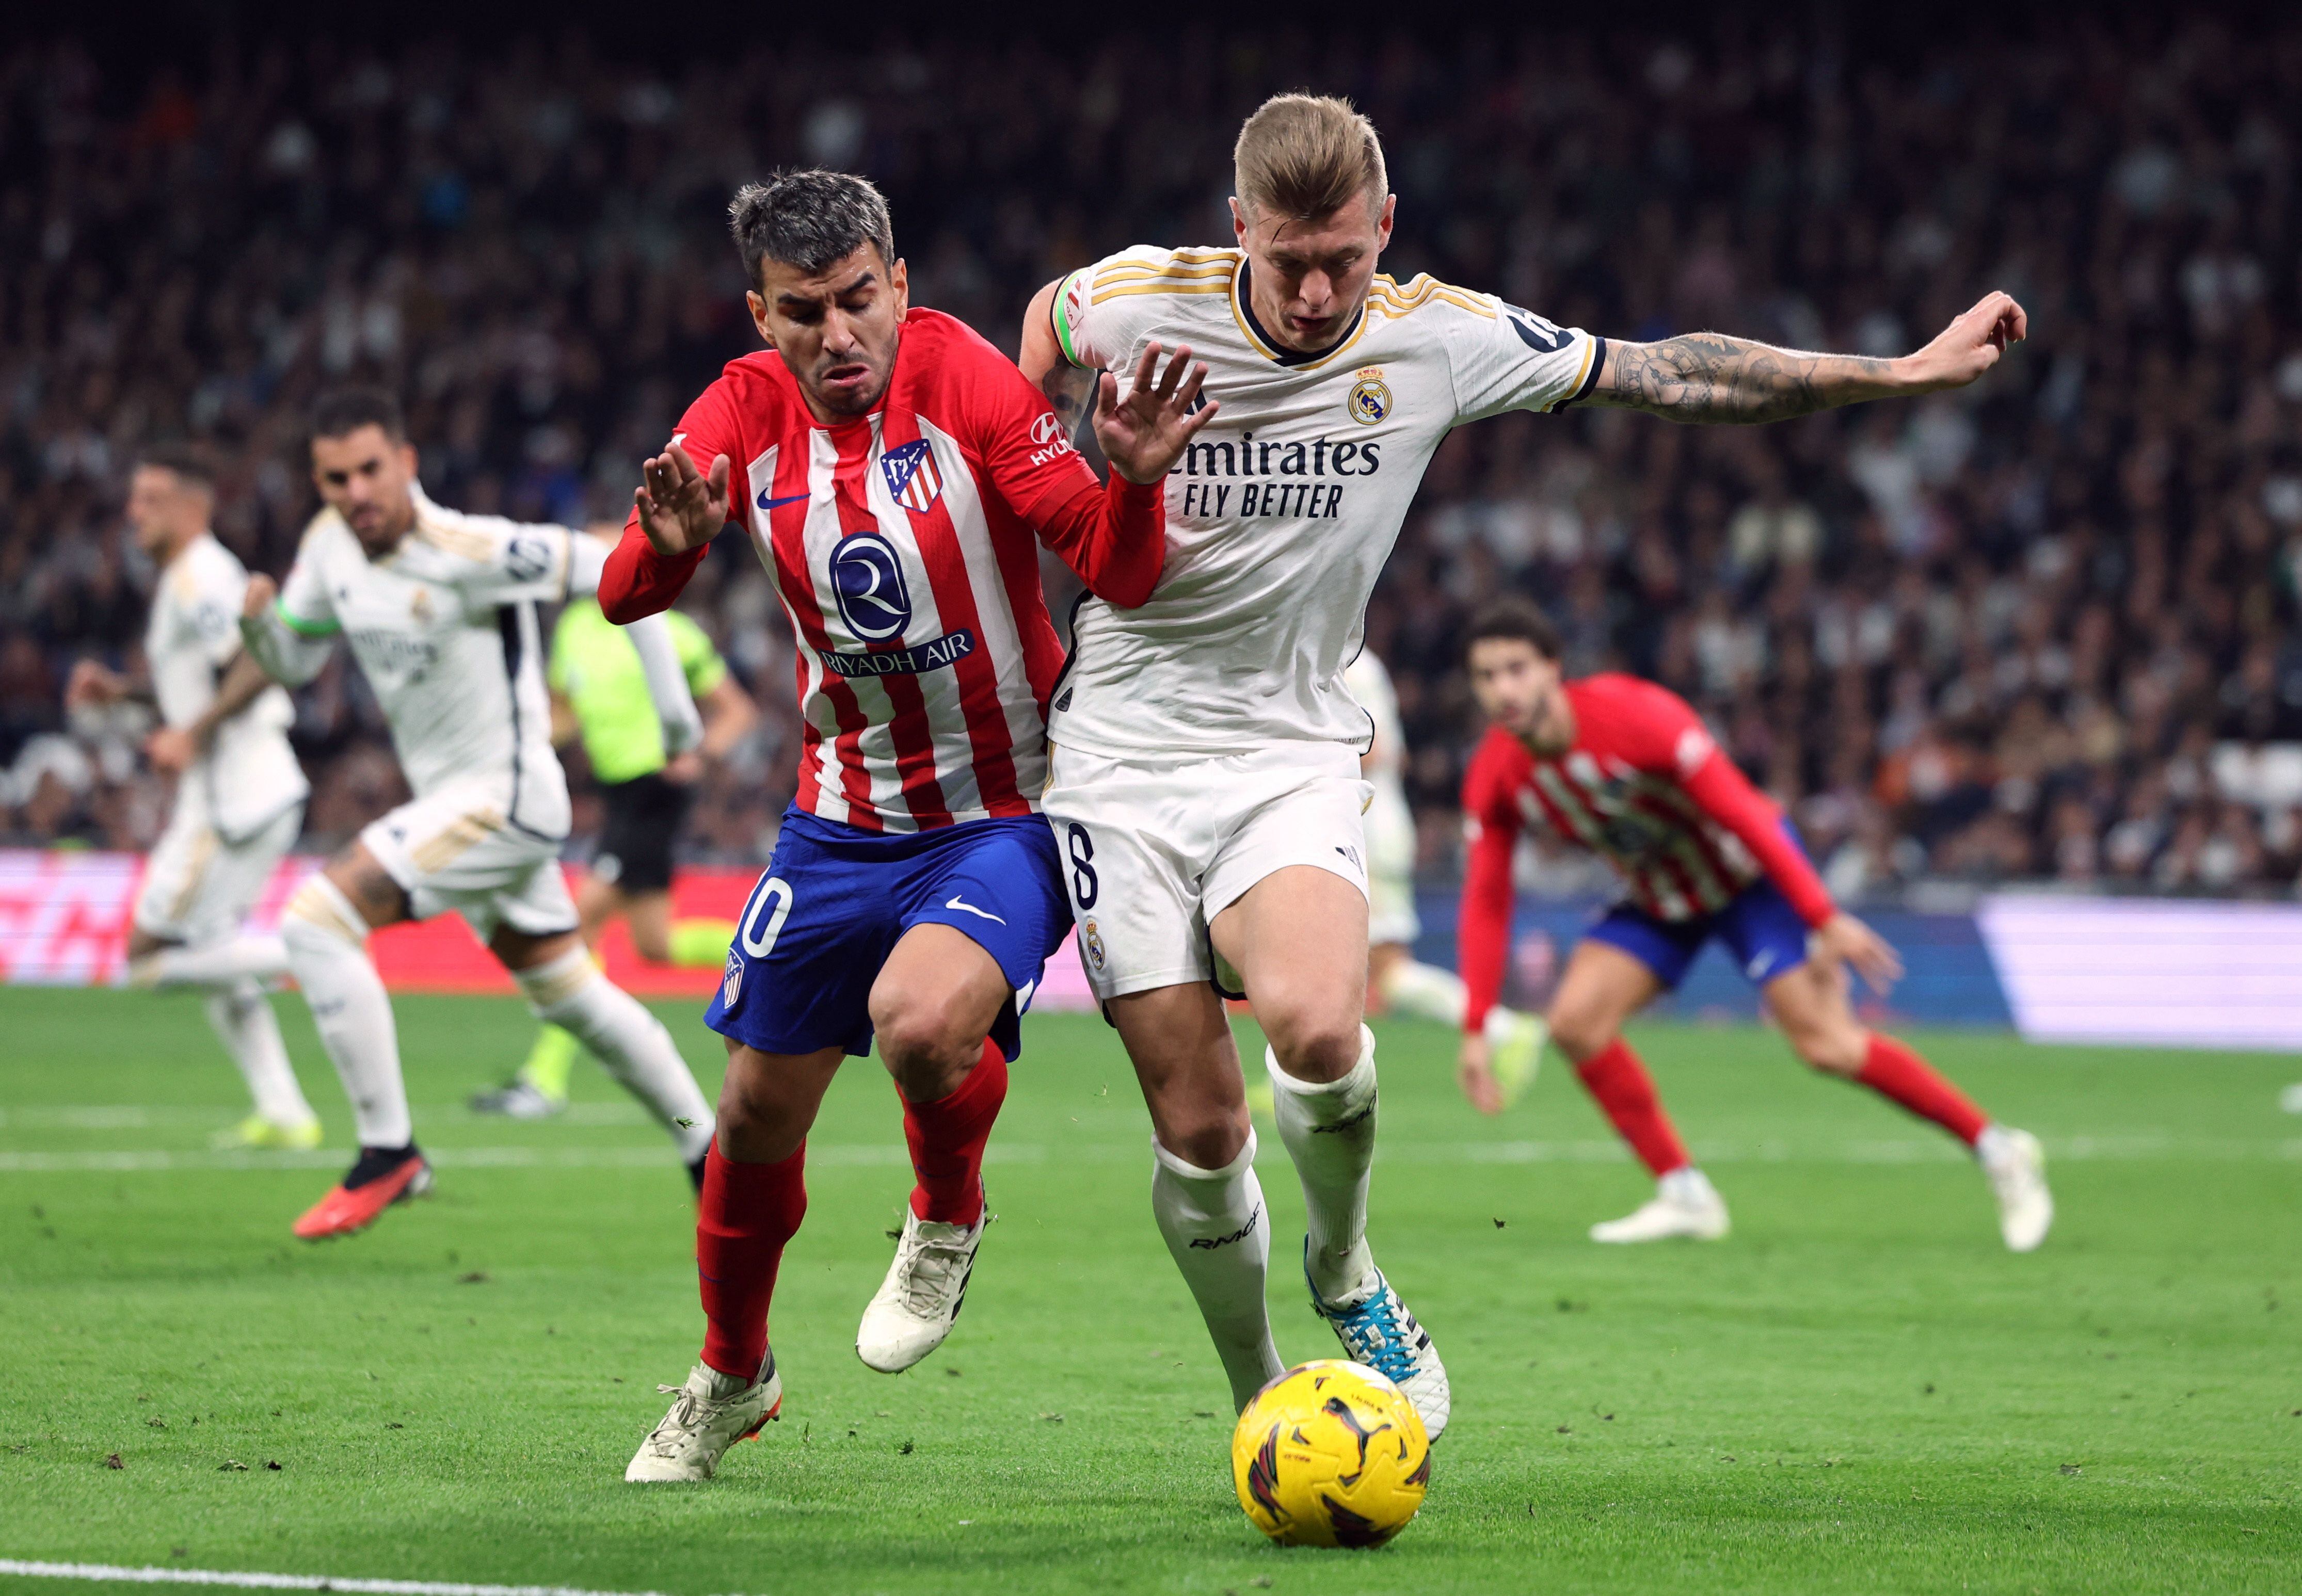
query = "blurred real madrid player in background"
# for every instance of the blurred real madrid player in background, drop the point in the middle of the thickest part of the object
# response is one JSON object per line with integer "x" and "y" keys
{"x": 599, "y": 693}
{"x": 239, "y": 791}
{"x": 439, "y": 609}
{"x": 1402, "y": 984}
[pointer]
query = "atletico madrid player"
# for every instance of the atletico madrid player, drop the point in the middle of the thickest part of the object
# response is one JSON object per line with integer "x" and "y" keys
{"x": 896, "y": 474}
{"x": 1624, "y": 767}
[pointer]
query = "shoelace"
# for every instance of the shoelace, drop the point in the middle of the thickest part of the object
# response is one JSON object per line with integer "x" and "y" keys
{"x": 1373, "y": 1332}
{"x": 679, "y": 1423}
{"x": 927, "y": 1274}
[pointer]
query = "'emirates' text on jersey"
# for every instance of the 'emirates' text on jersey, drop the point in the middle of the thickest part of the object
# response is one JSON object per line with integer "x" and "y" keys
{"x": 249, "y": 774}
{"x": 444, "y": 629}
{"x": 1282, "y": 511}
{"x": 901, "y": 547}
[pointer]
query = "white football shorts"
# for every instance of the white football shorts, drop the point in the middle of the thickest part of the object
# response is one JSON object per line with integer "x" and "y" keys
{"x": 1390, "y": 866}
{"x": 1153, "y": 849}
{"x": 198, "y": 885}
{"x": 454, "y": 850}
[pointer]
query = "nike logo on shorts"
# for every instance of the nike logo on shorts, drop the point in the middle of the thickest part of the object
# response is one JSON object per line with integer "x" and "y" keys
{"x": 971, "y": 909}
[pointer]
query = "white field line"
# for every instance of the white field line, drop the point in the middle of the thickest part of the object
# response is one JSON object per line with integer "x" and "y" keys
{"x": 2069, "y": 1149}
{"x": 108, "y": 1573}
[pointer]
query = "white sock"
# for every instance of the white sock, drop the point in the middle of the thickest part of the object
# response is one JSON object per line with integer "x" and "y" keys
{"x": 1688, "y": 1185}
{"x": 1220, "y": 1233}
{"x": 327, "y": 948}
{"x": 569, "y": 992}
{"x": 250, "y": 1032}
{"x": 221, "y": 963}
{"x": 1425, "y": 991}
{"x": 1329, "y": 1129}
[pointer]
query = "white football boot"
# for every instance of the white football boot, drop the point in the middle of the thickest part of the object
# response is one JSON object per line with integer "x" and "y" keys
{"x": 711, "y": 1413}
{"x": 2017, "y": 1167}
{"x": 1684, "y": 1205}
{"x": 925, "y": 1285}
{"x": 1378, "y": 1331}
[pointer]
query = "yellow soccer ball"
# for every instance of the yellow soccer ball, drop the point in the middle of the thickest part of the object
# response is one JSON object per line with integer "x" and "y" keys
{"x": 1330, "y": 1454}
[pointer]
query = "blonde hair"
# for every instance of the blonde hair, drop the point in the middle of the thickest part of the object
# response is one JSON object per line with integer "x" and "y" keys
{"x": 1305, "y": 156}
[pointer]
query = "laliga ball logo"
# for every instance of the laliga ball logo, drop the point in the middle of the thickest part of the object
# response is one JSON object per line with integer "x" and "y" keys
{"x": 1331, "y": 1454}
{"x": 1370, "y": 399}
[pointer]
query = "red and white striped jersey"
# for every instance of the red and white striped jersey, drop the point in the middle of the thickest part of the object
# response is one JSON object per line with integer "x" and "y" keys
{"x": 901, "y": 546}
{"x": 1646, "y": 787}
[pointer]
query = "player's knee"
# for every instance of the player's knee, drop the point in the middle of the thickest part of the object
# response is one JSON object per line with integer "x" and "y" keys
{"x": 918, "y": 1029}
{"x": 1315, "y": 1044}
{"x": 1205, "y": 1135}
{"x": 1833, "y": 1049}
{"x": 1581, "y": 1032}
{"x": 319, "y": 912}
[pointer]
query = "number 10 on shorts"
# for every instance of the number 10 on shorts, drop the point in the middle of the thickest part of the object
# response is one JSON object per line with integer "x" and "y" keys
{"x": 764, "y": 915}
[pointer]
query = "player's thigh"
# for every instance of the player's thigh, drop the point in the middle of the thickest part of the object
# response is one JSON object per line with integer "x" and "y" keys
{"x": 1132, "y": 840}
{"x": 997, "y": 887}
{"x": 808, "y": 942}
{"x": 599, "y": 902}
{"x": 1603, "y": 987}
{"x": 1813, "y": 1006}
{"x": 648, "y": 914}
{"x": 768, "y": 1101}
{"x": 176, "y": 873}
{"x": 1298, "y": 939}
{"x": 1179, "y": 1041}
{"x": 454, "y": 851}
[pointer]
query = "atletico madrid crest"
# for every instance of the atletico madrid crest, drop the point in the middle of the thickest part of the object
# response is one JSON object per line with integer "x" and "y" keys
{"x": 912, "y": 475}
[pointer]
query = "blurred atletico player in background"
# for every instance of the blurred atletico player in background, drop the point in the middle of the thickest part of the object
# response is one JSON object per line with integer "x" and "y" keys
{"x": 1625, "y": 768}
{"x": 896, "y": 474}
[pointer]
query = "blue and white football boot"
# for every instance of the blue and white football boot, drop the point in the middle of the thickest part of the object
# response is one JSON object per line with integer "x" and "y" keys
{"x": 1377, "y": 1330}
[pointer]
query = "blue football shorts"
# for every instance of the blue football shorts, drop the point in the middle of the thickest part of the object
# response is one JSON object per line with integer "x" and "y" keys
{"x": 835, "y": 900}
{"x": 1759, "y": 928}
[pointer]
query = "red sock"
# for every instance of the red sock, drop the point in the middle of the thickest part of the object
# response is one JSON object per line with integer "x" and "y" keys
{"x": 946, "y": 1140}
{"x": 1623, "y": 1089}
{"x": 1899, "y": 1076}
{"x": 747, "y": 1211}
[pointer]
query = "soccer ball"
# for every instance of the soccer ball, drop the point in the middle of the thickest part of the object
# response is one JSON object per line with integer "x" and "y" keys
{"x": 1330, "y": 1454}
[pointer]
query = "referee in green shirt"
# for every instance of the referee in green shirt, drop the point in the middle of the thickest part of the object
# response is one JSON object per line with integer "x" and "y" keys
{"x": 599, "y": 693}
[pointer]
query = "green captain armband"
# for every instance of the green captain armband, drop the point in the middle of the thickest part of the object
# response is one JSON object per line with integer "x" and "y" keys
{"x": 1062, "y": 323}
{"x": 302, "y": 627}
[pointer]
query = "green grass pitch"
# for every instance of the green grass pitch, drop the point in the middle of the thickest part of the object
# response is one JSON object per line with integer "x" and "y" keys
{"x": 1860, "y": 1391}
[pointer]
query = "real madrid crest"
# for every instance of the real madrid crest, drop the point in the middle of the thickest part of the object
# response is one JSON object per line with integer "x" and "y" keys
{"x": 1370, "y": 399}
{"x": 1093, "y": 938}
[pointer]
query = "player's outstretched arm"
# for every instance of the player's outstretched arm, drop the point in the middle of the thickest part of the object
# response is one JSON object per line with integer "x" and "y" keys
{"x": 1711, "y": 377}
{"x": 1145, "y": 434}
{"x": 680, "y": 507}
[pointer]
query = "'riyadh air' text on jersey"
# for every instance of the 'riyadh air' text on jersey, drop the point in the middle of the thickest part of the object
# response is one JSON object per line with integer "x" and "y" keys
{"x": 249, "y": 774}
{"x": 1282, "y": 511}
{"x": 444, "y": 629}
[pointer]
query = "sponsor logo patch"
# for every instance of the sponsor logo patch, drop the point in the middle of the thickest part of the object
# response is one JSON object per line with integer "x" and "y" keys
{"x": 867, "y": 577}
{"x": 732, "y": 983}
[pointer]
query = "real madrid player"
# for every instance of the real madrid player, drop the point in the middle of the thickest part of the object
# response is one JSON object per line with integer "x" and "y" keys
{"x": 1205, "y": 784}
{"x": 599, "y": 693}
{"x": 1402, "y": 983}
{"x": 439, "y": 609}
{"x": 239, "y": 791}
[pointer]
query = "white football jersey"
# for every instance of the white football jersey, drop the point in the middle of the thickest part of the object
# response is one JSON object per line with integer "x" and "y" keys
{"x": 1371, "y": 689}
{"x": 248, "y": 774}
{"x": 1282, "y": 512}
{"x": 445, "y": 628}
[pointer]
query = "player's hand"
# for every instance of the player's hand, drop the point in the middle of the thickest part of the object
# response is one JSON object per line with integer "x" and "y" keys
{"x": 1970, "y": 345}
{"x": 1846, "y": 940}
{"x": 681, "y": 509}
{"x": 257, "y": 597}
{"x": 1474, "y": 1072}
{"x": 1144, "y": 434}
{"x": 93, "y": 684}
{"x": 683, "y": 769}
{"x": 172, "y": 749}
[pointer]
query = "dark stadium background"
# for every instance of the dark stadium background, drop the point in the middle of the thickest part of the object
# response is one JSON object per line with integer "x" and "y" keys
{"x": 2049, "y": 629}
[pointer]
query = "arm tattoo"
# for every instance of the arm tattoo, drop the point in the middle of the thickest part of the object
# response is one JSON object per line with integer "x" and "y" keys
{"x": 1708, "y": 376}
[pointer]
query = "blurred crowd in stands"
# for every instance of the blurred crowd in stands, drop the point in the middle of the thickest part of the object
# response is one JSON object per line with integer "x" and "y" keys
{"x": 2048, "y": 629}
